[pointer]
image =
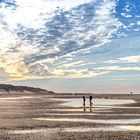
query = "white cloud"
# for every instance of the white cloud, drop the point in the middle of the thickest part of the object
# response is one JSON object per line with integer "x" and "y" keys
{"x": 127, "y": 10}
{"x": 126, "y": 15}
{"x": 128, "y": 59}
{"x": 7, "y": 40}
{"x": 131, "y": 59}
{"x": 138, "y": 22}
{"x": 118, "y": 68}
{"x": 31, "y": 14}
{"x": 13, "y": 65}
{"x": 38, "y": 36}
{"x": 72, "y": 64}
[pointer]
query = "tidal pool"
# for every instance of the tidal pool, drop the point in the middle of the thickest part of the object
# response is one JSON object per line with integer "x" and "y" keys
{"x": 130, "y": 127}
{"x": 83, "y": 120}
{"x": 78, "y": 110}
{"x": 15, "y": 98}
{"x": 88, "y": 114}
{"x": 76, "y": 102}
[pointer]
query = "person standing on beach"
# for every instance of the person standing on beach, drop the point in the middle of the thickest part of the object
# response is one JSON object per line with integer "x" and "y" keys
{"x": 84, "y": 100}
{"x": 90, "y": 102}
{"x": 84, "y": 103}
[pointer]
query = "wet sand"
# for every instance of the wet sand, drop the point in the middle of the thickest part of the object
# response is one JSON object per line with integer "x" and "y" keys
{"x": 62, "y": 117}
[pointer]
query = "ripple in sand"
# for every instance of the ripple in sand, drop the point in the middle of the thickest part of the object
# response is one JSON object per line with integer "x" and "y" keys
{"x": 67, "y": 129}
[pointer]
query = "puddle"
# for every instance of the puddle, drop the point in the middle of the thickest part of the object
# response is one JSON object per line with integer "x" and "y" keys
{"x": 14, "y": 98}
{"x": 121, "y": 107}
{"x": 89, "y": 114}
{"x": 98, "y": 129}
{"x": 102, "y": 121}
{"x": 131, "y": 127}
{"x": 76, "y": 102}
{"x": 79, "y": 110}
{"x": 67, "y": 109}
{"x": 71, "y": 114}
{"x": 47, "y": 130}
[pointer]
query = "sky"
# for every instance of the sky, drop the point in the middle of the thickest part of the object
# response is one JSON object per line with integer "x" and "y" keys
{"x": 71, "y": 45}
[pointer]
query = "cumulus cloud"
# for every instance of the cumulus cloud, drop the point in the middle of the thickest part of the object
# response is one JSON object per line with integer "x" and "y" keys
{"x": 127, "y": 10}
{"x": 129, "y": 15}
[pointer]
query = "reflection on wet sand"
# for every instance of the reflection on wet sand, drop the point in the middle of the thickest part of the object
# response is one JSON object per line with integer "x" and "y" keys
{"x": 102, "y": 121}
{"x": 77, "y": 102}
{"x": 93, "y": 129}
{"x": 88, "y": 114}
{"x": 15, "y": 98}
{"x": 131, "y": 127}
{"x": 40, "y": 116}
{"x": 79, "y": 110}
{"x": 99, "y": 104}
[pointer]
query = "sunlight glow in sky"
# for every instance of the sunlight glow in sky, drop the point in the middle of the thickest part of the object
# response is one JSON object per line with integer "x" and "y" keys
{"x": 71, "y": 42}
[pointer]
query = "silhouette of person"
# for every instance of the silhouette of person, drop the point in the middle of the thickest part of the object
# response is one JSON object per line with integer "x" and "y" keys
{"x": 84, "y": 103}
{"x": 84, "y": 100}
{"x": 90, "y": 102}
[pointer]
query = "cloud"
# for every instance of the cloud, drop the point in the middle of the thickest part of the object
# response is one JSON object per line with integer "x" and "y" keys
{"x": 128, "y": 59}
{"x": 128, "y": 13}
{"x": 131, "y": 59}
{"x": 127, "y": 10}
{"x": 118, "y": 68}
{"x": 44, "y": 38}
{"x": 138, "y": 22}
{"x": 74, "y": 73}
{"x": 68, "y": 65}
{"x": 13, "y": 66}
{"x": 31, "y": 14}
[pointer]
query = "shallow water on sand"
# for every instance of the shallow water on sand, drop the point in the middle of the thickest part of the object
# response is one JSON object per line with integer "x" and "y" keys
{"x": 15, "y": 98}
{"x": 131, "y": 127}
{"x": 79, "y": 110}
{"x": 76, "y": 102}
{"x": 88, "y": 114}
{"x": 83, "y": 120}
